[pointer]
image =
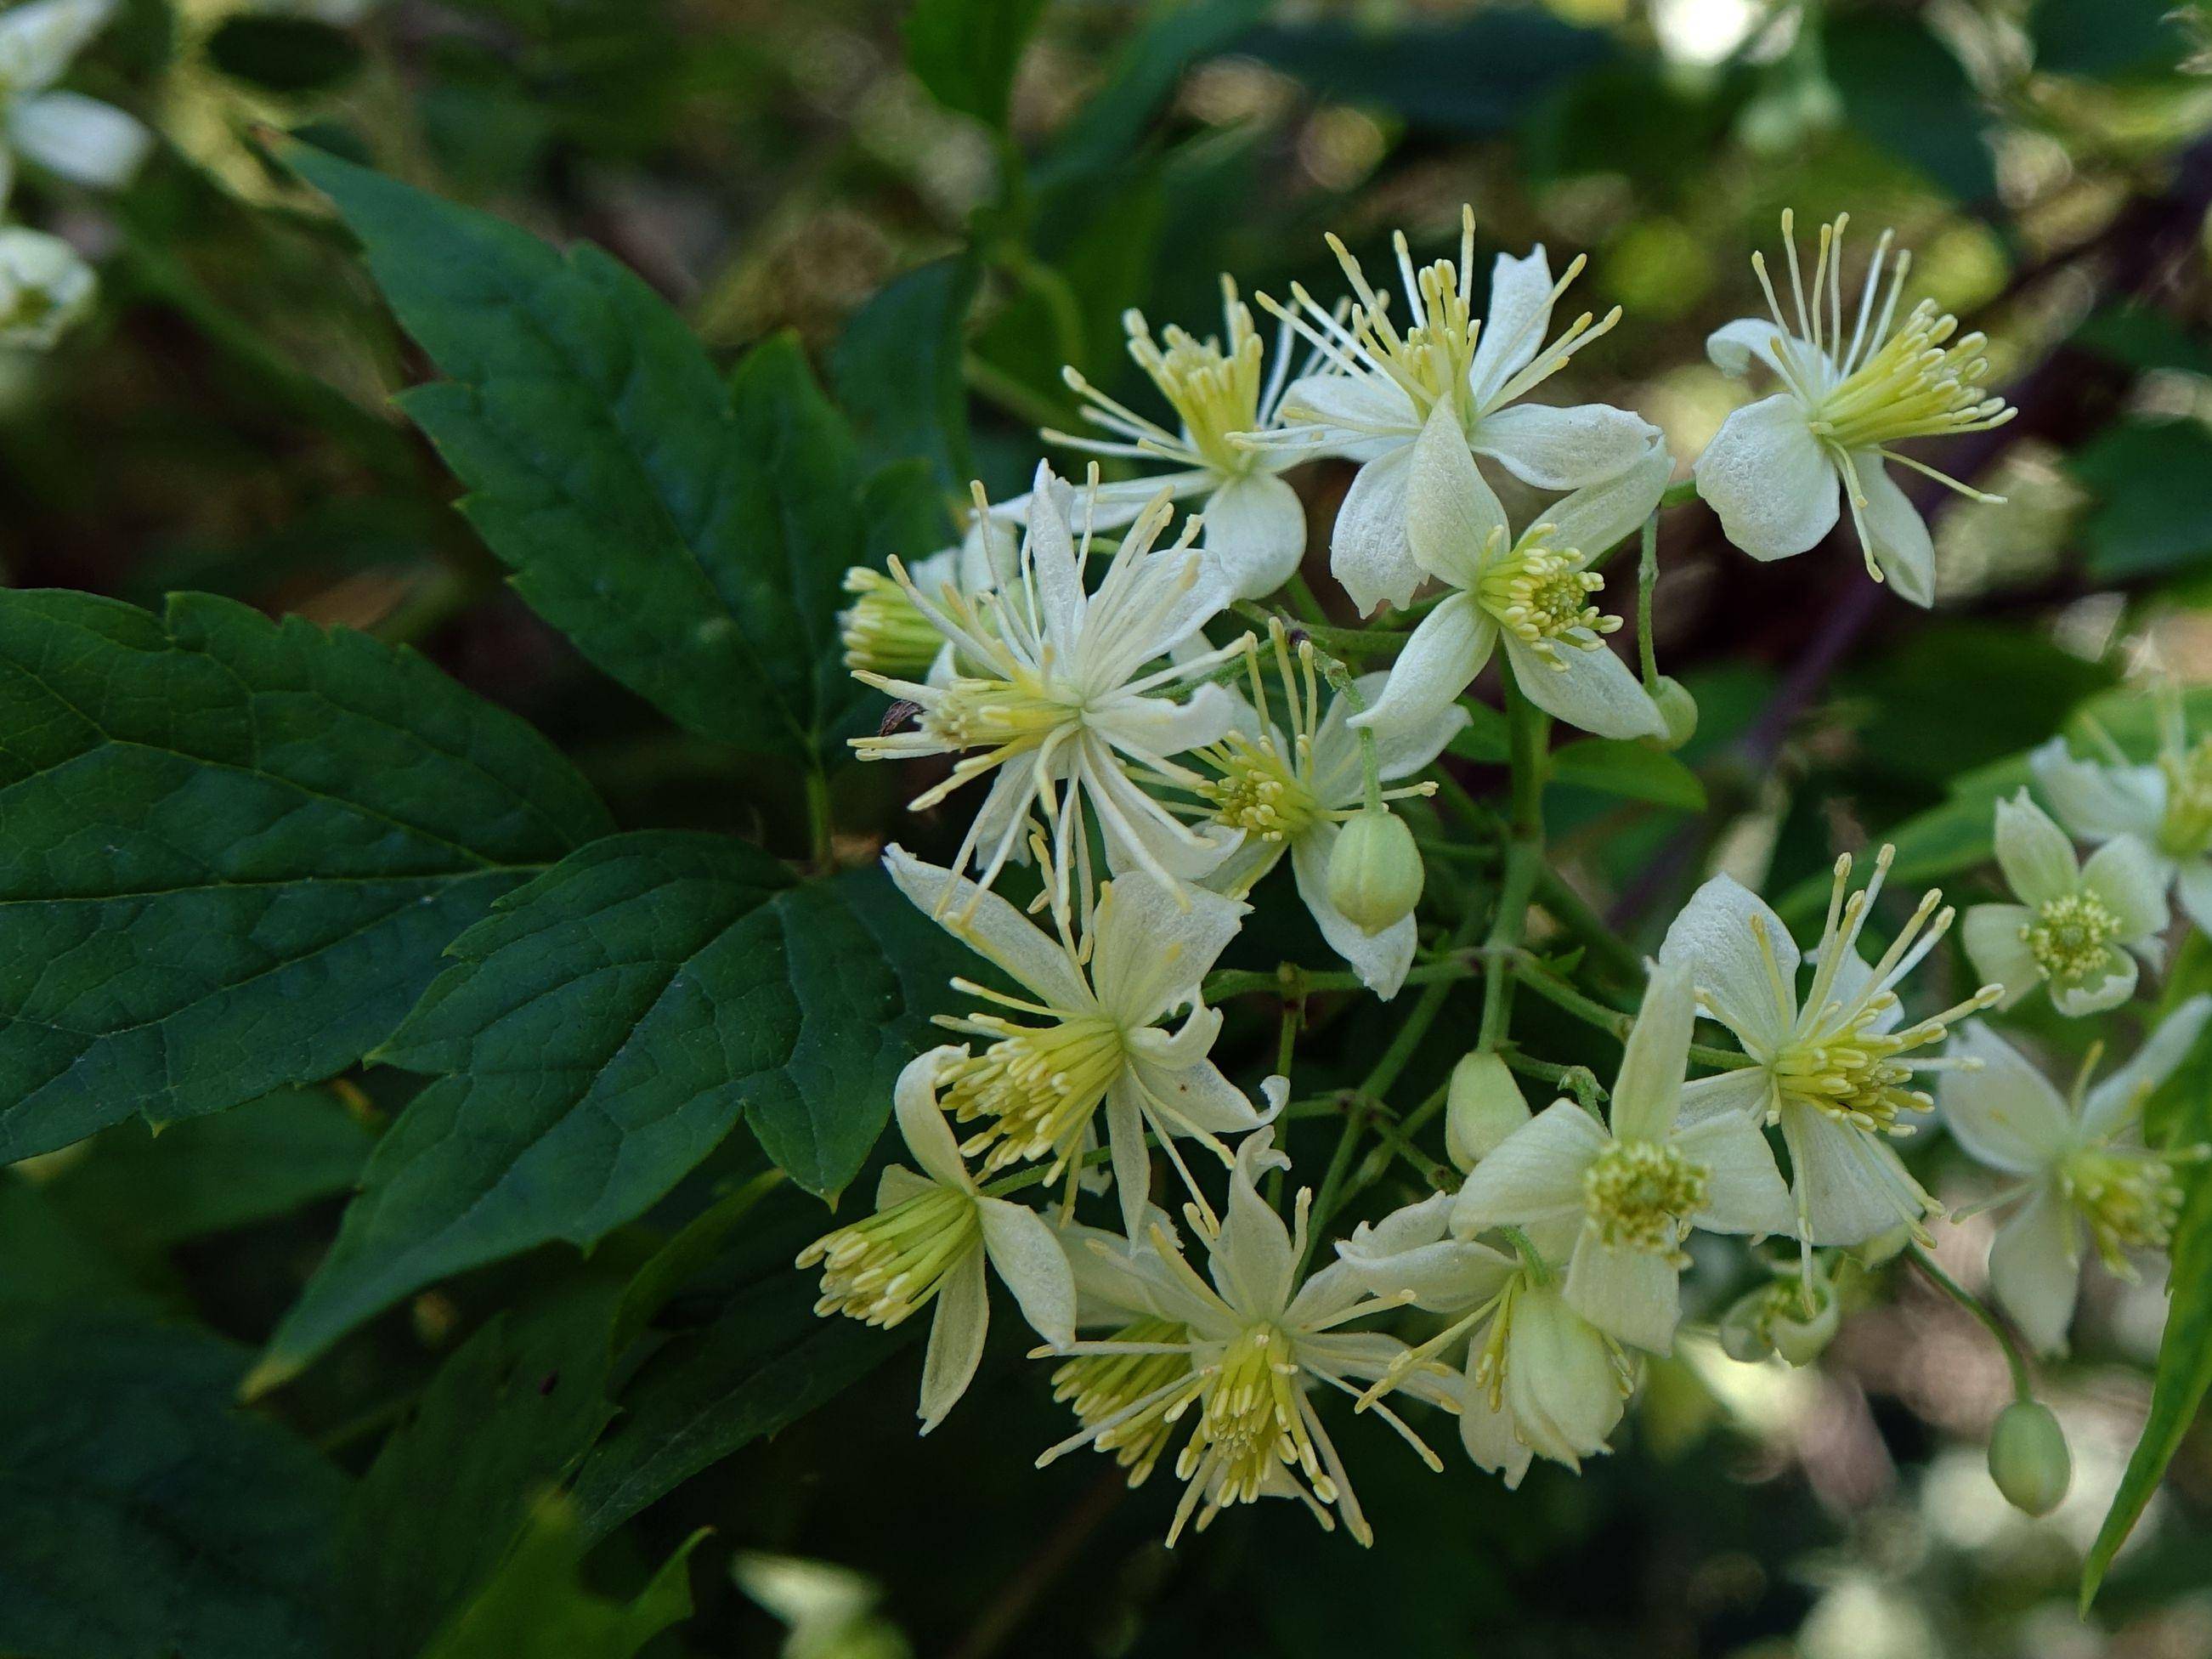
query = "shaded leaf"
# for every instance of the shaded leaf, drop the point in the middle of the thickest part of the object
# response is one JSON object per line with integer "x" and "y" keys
{"x": 1904, "y": 90}
{"x": 898, "y": 371}
{"x": 1622, "y": 766}
{"x": 965, "y": 51}
{"x": 2153, "y": 485}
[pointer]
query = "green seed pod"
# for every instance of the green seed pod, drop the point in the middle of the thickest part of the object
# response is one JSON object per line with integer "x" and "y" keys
{"x": 1483, "y": 1106}
{"x": 1678, "y": 708}
{"x": 1800, "y": 1337}
{"x": 2028, "y": 1458}
{"x": 1374, "y": 872}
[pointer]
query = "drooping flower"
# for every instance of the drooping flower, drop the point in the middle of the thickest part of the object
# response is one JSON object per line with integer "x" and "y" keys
{"x": 931, "y": 1235}
{"x": 1382, "y": 386}
{"x": 1290, "y": 787}
{"x": 1086, "y": 1030}
{"x": 46, "y": 288}
{"x": 2080, "y": 929}
{"x": 1531, "y": 593}
{"x": 1635, "y": 1189}
{"x": 1239, "y": 1358}
{"x": 2166, "y": 807}
{"x": 71, "y": 136}
{"x": 1773, "y": 470}
{"x": 1225, "y": 401}
{"x": 1538, "y": 1379}
{"x": 1835, "y": 1069}
{"x": 2081, "y": 1161}
{"x": 1058, "y": 692}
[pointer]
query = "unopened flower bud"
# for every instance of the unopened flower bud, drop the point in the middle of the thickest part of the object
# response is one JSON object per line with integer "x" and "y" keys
{"x": 1374, "y": 872}
{"x": 2028, "y": 1458}
{"x": 1678, "y": 708}
{"x": 1483, "y": 1106}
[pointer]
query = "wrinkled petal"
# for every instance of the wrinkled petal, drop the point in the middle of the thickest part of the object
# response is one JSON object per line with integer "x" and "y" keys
{"x": 2035, "y": 854}
{"x": 2114, "y": 1103}
{"x": 79, "y": 138}
{"x": 1991, "y": 933}
{"x": 2099, "y": 802}
{"x": 1896, "y": 536}
{"x": 1772, "y": 485}
{"x": 2035, "y": 1270}
{"x": 1592, "y": 690}
{"x": 1633, "y": 1295}
{"x": 1649, "y": 1088}
{"x": 2095, "y": 992}
{"x": 1598, "y": 516}
{"x": 1151, "y": 944}
{"x": 1029, "y": 1258}
{"x": 1381, "y": 959}
{"x": 1367, "y": 550}
{"x": 1732, "y": 345}
{"x": 2131, "y": 881}
{"x": 1569, "y": 448}
{"x": 922, "y": 1124}
{"x": 1848, "y": 1184}
{"x": 1716, "y": 936}
{"x": 956, "y": 1339}
{"x": 1452, "y": 515}
{"x": 991, "y": 927}
{"x": 1535, "y": 1173}
{"x": 1253, "y": 1259}
{"x": 1744, "y": 1189}
{"x": 1441, "y": 660}
{"x": 1518, "y": 317}
{"x": 2003, "y": 1112}
{"x": 1255, "y": 530}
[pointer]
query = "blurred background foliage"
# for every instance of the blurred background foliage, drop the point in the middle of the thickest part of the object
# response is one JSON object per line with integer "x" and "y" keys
{"x": 945, "y": 204}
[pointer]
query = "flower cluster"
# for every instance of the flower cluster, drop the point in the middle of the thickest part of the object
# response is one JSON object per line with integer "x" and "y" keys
{"x": 1147, "y": 763}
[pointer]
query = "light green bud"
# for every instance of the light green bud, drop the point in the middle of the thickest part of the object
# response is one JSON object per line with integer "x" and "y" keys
{"x": 1483, "y": 1106}
{"x": 1374, "y": 872}
{"x": 1789, "y": 1315}
{"x": 2028, "y": 1458}
{"x": 1678, "y": 708}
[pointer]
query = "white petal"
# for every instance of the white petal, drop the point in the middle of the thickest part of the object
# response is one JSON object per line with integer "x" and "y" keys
{"x": 991, "y": 927}
{"x": 2131, "y": 881}
{"x": 1732, "y": 345}
{"x": 2114, "y": 1102}
{"x": 921, "y": 1122}
{"x": 1744, "y": 1189}
{"x": 37, "y": 40}
{"x": 1053, "y": 562}
{"x": 1452, "y": 515}
{"x": 1560, "y": 1384}
{"x": 1153, "y": 944}
{"x": 1649, "y": 1088}
{"x": 1773, "y": 487}
{"x": 1252, "y": 1256}
{"x": 1896, "y": 533}
{"x": 1446, "y": 651}
{"x": 1555, "y": 448}
{"x": 1994, "y": 946}
{"x": 2035, "y": 1268}
{"x": 1633, "y": 1295}
{"x": 1367, "y": 550}
{"x": 1409, "y": 1250}
{"x": 2099, "y": 802}
{"x": 2098, "y": 990}
{"x": 1488, "y": 1435}
{"x": 2035, "y": 854}
{"x": 1029, "y": 1258}
{"x": 1716, "y": 936}
{"x": 80, "y": 138}
{"x": 1381, "y": 959}
{"x": 956, "y": 1339}
{"x": 2003, "y": 1112}
{"x": 1849, "y": 1186}
{"x": 1366, "y": 404}
{"x": 1535, "y": 1173}
{"x": 1744, "y": 1093}
{"x": 1400, "y": 750}
{"x": 2194, "y": 889}
{"x": 1592, "y": 690}
{"x": 1513, "y": 326}
{"x": 1255, "y": 530}
{"x": 1201, "y": 1097}
{"x": 1599, "y": 515}
{"x": 1163, "y": 726}
{"x": 1132, "y": 1160}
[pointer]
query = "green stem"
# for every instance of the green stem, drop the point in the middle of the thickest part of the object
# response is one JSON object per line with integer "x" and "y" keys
{"x": 1303, "y": 600}
{"x": 1647, "y": 578}
{"x": 1553, "y": 891}
{"x": 1524, "y": 853}
{"x": 1337, "y": 642}
{"x": 1294, "y": 983}
{"x": 2022, "y": 1382}
{"x": 820, "y": 825}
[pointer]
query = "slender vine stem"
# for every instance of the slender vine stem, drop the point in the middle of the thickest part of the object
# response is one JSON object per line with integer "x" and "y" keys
{"x": 1524, "y": 853}
{"x": 2022, "y": 1379}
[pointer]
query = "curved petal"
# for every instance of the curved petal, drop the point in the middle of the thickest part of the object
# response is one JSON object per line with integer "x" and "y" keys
{"x": 1633, "y": 1295}
{"x": 2035, "y": 1270}
{"x": 1560, "y": 1383}
{"x": 1649, "y": 1088}
{"x": 1131, "y": 1159}
{"x": 1445, "y": 1275}
{"x": 1030, "y": 1259}
{"x": 1897, "y": 535}
{"x": 1744, "y": 1189}
{"x": 1514, "y": 325}
{"x": 1255, "y": 532}
{"x": 1368, "y": 406}
{"x": 1732, "y": 345}
{"x": 1750, "y": 990}
{"x": 2113, "y": 1104}
{"x": 1589, "y": 688}
{"x": 956, "y": 1339}
{"x": 1595, "y": 517}
{"x": 2003, "y": 1111}
{"x": 991, "y": 927}
{"x": 79, "y": 138}
{"x": 1991, "y": 934}
{"x": 1381, "y": 959}
{"x": 2131, "y": 881}
{"x": 1848, "y": 1185}
{"x": 37, "y": 41}
{"x": 1535, "y": 1173}
{"x": 1253, "y": 1259}
{"x": 1441, "y": 660}
{"x": 921, "y": 1123}
{"x": 1151, "y": 944}
{"x": 1486, "y": 1433}
{"x": 1201, "y": 1098}
{"x": 1400, "y": 750}
{"x": 1746, "y": 1092}
{"x": 1773, "y": 486}
{"x": 1178, "y": 1050}
{"x": 1367, "y": 550}
{"x": 1564, "y": 449}
{"x": 2095, "y": 802}
{"x": 1452, "y": 515}
{"x": 2035, "y": 854}
{"x": 2093, "y": 993}
{"x": 2193, "y": 887}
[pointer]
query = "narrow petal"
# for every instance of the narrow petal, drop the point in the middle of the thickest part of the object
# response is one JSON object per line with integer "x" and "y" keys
{"x": 1745, "y": 1092}
{"x": 1029, "y": 1258}
{"x": 1649, "y": 1088}
{"x": 2131, "y": 881}
{"x": 1991, "y": 933}
{"x": 2193, "y": 888}
{"x": 1744, "y": 1189}
{"x": 1848, "y": 1185}
{"x": 991, "y": 927}
{"x": 1201, "y": 1097}
{"x": 1153, "y": 944}
{"x": 2004, "y": 1112}
{"x": 1409, "y": 1250}
{"x": 956, "y": 1339}
{"x": 1569, "y": 448}
{"x": 1368, "y": 405}
{"x": 1452, "y": 514}
{"x": 1717, "y": 937}
{"x": 1535, "y": 1174}
{"x": 2035, "y": 1270}
{"x": 1590, "y": 689}
{"x": 37, "y": 41}
{"x": 1367, "y": 550}
{"x": 2114, "y": 1103}
{"x": 1132, "y": 1160}
{"x": 1486, "y": 1433}
{"x": 1441, "y": 660}
{"x": 1515, "y": 324}
{"x": 1633, "y": 1295}
{"x": 1255, "y": 530}
{"x": 2099, "y": 802}
{"x": 1252, "y": 1256}
{"x": 2035, "y": 854}
{"x": 1774, "y": 488}
{"x": 1596, "y": 517}
{"x": 1381, "y": 959}
{"x": 1400, "y": 750}
{"x": 1054, "y": 562}
{"x": 79, "y": 138}
{"x": 1897, "y": 535}
{"x": 921, "y": 1123}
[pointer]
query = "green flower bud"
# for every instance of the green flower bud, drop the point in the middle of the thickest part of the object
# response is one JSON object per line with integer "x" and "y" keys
{"x": 1374, "y": 872}
{"x": 1790, "y": 1316}
{"x": 1678, "y": 708}
{"x": 1483, "y": 1106}
{"x": 2028, "y": 1458}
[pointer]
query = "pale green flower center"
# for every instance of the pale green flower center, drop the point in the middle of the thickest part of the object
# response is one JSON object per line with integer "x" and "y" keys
{"x": 884, "y": 630}
{"x": 1854, "y": 1076}
{"x": 2131, "y": 1201}
{"x": 1540, "y": 593}
{"x": 1214, "y": 392}
{"x": 883, "y": 1268}
{"x": 2186, "y": 829}
{"x": 1251, "y": 1421}
{"x": 1258, "y": 789}
{"x": 2070, "y": 937}
{"x": 1923, "y": 382}
{"x": 1037, "y": 1085}
{"x": 1642, "y": 1193}
{"x": 1007, "y": 716}
{"x": 1103, "y": 1385}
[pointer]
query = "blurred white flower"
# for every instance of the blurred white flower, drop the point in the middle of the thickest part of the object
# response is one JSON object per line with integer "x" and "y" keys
{"x": 2166, "y": 807}
{"x": 74, "y": 138}
{"x": 1773, "y": 470}
{"x": 929, "y": 1235}
{"x": 46, "y": 288}
{"x": 2080, "y": 929}
{"x": 2080, "y": 1160}
{"x": 1383, "y": 386}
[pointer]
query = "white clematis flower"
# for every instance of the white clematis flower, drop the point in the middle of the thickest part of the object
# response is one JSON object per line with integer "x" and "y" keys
{"x": 1531, "y": 594}
{"x": 2078, "y": 928}
{"x": 1086, "y": 1031}
{"x": 1835, "y": 1069}
{"x": 1058, "y": 692}
{"x": 1634, "y": 1190}
{"x": 1290, "y": 789}
{"x": 1227, "y": 403}
{"x": 2081, "y": 1161}
{"x": 2166, "y": 807}
{"x": 46, "y": 288}
{"x": 1773, "y": 470}
{"x": 929, "y": 1240}
{"x": 1239, "y": 1357}
{"x": 74, "y": 138}
{"x": 1384, "y": 386}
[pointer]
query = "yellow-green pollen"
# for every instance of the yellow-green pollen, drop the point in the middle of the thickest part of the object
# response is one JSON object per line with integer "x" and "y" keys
{"x": 1099, "y": 1386}
{"x": 2185, "y": 831}
{"x": 2070, "y": 937}
{"x": 1005, "y": 716}
{"x": 2130, "y": 1200}
{"x": 1250, "y": 1420}
{"x": 880, "y": 1270}
{"x": 884, "y": 630}
{"x": 1037, "y": 1086}
{"x": 1215, "y": 394}
{"x": 1540, "y": 593}
{"x": 1257, "y": 788}
{"x": 1642, "y": 1193}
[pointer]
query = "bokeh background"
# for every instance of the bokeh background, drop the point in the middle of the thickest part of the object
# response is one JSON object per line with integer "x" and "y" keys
{"x": 773, "y": 165}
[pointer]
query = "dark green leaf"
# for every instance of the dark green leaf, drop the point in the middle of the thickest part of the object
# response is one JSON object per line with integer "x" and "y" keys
{"x": 143, "y": 1515}
{"x": 284, "y": 54}
{"x": 2107, "y": 39}
{"x": 898, "y": 371}
{"x": 1621, "y": 767}
{"x": 1487, "y": 737}
{"x": 1902, "y": 87}
{"x": 603, "y": 1031}
{"x": 691, "y": 539}
{"x": 235, "y": 850}
{"x": 965, "y": 51}
{"x": 2152, "y": 482}
{"x": 48, "y": 1260}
